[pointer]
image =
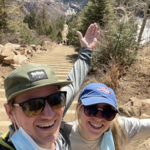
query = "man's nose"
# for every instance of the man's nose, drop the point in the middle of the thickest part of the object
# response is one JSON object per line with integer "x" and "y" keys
{"x": 48, "y": 112}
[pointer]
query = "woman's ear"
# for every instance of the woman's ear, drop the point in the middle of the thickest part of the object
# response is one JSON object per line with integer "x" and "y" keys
{"x": 8, "y": 110}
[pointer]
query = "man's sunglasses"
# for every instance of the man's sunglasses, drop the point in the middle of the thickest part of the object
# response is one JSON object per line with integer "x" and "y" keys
{"x": 35, "y": 106}
{"x": 107, "y": 113}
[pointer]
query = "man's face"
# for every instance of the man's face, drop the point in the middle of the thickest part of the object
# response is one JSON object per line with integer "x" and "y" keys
{"x": 44, "y": 127}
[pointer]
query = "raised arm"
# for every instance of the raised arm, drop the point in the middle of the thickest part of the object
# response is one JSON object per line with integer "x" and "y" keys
{"x": 91, "y": 36}
{"x": 82, "y": 65}
{"x": 134, "y": 128}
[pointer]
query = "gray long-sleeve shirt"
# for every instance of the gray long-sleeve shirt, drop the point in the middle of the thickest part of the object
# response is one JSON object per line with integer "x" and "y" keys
{"x": 77, "y": 75}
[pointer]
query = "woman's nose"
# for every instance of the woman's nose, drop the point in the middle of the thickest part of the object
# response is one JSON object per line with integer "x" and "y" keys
{"x": 99, "y": 114}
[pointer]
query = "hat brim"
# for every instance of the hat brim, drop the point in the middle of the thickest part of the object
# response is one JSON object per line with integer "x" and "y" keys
{"x": 98, "y": 100}
{"x": 59, "y": 83}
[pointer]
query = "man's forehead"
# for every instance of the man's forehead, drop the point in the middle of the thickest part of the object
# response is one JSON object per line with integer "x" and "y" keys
{"x": 37, "y": 92}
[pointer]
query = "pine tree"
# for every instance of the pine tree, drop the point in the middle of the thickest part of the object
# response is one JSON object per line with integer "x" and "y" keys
{"x": 98, "y": 11}
{"x": 39, "y": 28}
{"x": 49, "y": 31}
{"x": 25, "y": 35}
{"x": 31, "y": 19}
{"x": 26, "y": 18}
{"x": 59, "y": 36}
{"x": 43, "y": 15}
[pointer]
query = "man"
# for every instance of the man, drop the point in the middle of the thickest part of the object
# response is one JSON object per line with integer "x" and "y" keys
{"x": 35, "y": 103}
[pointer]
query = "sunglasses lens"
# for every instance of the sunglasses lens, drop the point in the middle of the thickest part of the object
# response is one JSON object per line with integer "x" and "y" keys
{"x": 33, "y": 107}
{"x": 57, "y": 100}
{"x": 90, "y": 110}
{"x": 109, "y": 114}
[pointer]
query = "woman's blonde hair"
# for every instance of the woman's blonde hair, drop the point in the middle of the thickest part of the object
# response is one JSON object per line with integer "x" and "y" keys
{"x": 117, "y": 132}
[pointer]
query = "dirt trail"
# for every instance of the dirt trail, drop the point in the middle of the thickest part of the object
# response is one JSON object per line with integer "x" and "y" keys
{"x": 61, "y": 59}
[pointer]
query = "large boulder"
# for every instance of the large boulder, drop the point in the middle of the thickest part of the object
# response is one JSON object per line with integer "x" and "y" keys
{"x": 22, "y": 59}
{"x": 21, "y": 51}
{"x": 12, "y": 59}
{"x": 137, "y": 108}
{"x": 16, "y": 46}
{"x": 15, "y": 66}
{"x": 19, "y": 60}
{"x": 7, "y": 51}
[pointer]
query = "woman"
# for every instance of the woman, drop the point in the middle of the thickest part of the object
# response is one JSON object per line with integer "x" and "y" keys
{"x": 98, "y": 126}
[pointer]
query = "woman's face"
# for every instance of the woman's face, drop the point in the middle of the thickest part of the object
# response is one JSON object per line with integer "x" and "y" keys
{"x": 92, "y": 128}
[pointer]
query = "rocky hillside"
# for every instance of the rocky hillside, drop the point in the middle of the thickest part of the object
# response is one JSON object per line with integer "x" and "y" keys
{"x": 55, "y": 8}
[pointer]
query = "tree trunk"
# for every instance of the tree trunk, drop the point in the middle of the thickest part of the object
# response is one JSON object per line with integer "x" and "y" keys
{"x": 144, "y": 22}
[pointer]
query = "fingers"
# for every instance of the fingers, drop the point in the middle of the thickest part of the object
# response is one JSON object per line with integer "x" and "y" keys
{"x": 89, "y": 29}
{"x": 92, "y": 29}
{"x": 80, "y": 35}
{"x": 96, "y": 34}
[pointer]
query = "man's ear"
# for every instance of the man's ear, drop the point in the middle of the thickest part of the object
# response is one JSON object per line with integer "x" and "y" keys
{"x": 8, "y": 110}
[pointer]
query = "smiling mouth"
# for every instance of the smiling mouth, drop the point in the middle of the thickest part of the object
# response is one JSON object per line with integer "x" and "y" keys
{"x": 96, "y": 126}
{"x": 45, "y": 126}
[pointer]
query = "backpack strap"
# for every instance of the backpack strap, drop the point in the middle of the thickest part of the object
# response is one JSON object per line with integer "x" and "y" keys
{"x": 3, "y": 143}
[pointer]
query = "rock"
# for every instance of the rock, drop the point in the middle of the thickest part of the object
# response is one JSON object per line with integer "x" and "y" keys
{"x": 11, "y": 60}
{"x": 143, "y": 116}
{"x": 145, "y": 107}
{"x": 33, "y": 47}
{"x": 28, "y": 56}
{"x": 17, "y": 52}
{"x": 33, "y": 53}
{"x": 7, "y": 51}
{"x": 23, "y": 45}
{"x": 137, "y": 108}
{"x": 22, "y": 51}
{"x": 16, "y": 46}
{"x": 15, "y": 66}
{"x": 144, "y": 145}
{"x": 22, "y": 59}
{"x": 28, "y": 51}
{"x": 44, "y": 48}
{"x": 38, "y": 47}
{"x": 47, "y": 42}
{"x": 38, "y": 51}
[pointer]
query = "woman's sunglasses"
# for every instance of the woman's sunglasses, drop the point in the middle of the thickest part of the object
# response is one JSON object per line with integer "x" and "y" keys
{"x": 35, "y": 106}
{"x": 107, "y": 113}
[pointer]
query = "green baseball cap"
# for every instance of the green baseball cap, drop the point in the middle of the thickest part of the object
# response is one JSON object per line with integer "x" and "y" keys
{"x": 29, "y": 77}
